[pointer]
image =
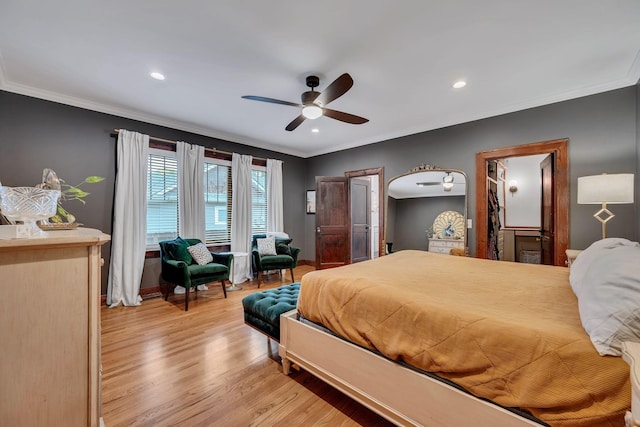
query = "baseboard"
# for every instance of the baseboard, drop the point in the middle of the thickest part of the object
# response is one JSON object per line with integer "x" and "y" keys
{"x": 154, "y": 291}
{"x": 145, "y": 293}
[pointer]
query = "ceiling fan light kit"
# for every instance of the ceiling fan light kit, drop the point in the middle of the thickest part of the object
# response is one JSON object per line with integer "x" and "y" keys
{"x": 447, "y": 182}
{"x": 313, "y": 103}
{"x": 312, "y": 111}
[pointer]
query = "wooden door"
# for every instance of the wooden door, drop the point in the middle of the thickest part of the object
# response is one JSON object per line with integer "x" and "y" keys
{"x": 547, "y": 211}
{"x": 332, "y": 221}
{"x": 360, "y": 193}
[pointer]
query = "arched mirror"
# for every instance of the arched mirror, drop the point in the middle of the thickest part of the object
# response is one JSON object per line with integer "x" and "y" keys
{"x": 427, "y": 210}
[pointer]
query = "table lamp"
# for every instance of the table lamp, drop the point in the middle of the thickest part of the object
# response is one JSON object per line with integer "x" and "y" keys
{"x": 605, "y": 189}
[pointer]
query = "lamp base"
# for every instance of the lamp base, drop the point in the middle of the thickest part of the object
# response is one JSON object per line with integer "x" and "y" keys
{"x": 604, "y": 219}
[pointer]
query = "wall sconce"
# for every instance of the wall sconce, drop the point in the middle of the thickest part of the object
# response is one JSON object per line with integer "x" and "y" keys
{"x": 447, "y": 182}
{"x": 513, "y": 186}
{"x": 603, "y": 189}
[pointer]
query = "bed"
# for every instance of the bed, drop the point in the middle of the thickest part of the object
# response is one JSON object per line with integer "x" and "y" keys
{"x": 505, "y": 341}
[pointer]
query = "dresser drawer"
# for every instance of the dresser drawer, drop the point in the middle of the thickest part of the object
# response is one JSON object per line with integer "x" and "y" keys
{"x": 443, "y": 246}
{"x": 439, "y": 249}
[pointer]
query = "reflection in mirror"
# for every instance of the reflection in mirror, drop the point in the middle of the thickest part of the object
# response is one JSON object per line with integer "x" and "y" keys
{"x": 427, "y": 210}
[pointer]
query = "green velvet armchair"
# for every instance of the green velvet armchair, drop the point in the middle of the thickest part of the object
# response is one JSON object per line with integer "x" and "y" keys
{"x": 285, "y": 256}
{"x": 180, "y": 268}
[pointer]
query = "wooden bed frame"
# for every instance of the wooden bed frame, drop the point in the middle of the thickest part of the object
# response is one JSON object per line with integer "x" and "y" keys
{"x": 398, "y": 393}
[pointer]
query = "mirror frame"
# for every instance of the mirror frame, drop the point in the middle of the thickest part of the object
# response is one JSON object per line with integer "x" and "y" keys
{"x": 430, "y": 168}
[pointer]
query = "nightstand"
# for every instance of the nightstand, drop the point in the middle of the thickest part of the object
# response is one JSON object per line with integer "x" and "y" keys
{"x": 571, "y": 256}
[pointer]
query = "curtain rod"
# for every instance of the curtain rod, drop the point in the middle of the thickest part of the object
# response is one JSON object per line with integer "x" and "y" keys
{"x": 213, "y": 150}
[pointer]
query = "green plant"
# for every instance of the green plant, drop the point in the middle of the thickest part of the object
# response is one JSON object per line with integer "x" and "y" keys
{"x": 429, "y": 232}
{"x": 72, "y": 192}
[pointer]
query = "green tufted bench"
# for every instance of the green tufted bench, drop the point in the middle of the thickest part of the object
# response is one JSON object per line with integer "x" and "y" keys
{"x": 262, "y": 310}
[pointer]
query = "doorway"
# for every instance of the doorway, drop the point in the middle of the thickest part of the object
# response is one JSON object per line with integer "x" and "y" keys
{"x": 375, "y": 237}
{"x": 334, "y": 224}
{"x": 560, "y": 194}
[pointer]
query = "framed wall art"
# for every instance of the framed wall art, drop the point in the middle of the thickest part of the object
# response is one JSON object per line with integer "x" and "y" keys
{"x": 311, "y": 201}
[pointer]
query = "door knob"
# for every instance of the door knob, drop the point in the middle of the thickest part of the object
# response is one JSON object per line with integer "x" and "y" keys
{"x": 318, "y": 230}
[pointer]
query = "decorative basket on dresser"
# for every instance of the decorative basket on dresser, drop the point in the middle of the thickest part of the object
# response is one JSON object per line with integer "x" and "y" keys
{"x": 50, "y": 329}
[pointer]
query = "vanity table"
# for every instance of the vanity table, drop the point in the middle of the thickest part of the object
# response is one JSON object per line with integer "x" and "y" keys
{"x": 50, "y": 328}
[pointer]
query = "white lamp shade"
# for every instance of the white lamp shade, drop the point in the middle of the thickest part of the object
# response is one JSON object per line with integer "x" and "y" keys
{"x": 605, "y": 188}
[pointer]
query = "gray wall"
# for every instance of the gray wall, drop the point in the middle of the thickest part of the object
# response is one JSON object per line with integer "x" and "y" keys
{"x": 603, "y": 131}
{"x": 603, "y": 137}
{"x": 637, "y": 198}
{"x": 413, "y": 217}
{"x": 76, "y": 143}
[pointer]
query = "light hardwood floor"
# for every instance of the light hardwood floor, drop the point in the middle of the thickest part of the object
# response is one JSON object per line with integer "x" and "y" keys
{"x": 163, "y": 366}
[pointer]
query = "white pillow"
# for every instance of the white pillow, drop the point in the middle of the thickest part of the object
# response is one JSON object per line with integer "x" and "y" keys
{"x": 606, "y": 279}
{"x": 266, "y": 246}
{"x": 200, "y": 253}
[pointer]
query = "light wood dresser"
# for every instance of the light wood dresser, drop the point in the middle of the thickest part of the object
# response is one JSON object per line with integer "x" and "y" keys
{"x": 50, "y": 329}
{"x": 443, "y": 246}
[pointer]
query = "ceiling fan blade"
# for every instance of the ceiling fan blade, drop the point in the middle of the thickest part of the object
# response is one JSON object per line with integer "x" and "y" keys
{"x": 344, "y": 117}
{"x": 271, "y": 100}
{"x": 295, "y": 123}
{"x": 335, "y": 90}
{"x": 427, "y": 184}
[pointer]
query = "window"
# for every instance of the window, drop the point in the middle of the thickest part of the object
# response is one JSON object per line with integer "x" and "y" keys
{"x": 162, "y": 199}
{"x": 258, "y": 200}
{"x": 217, "y": 199}
{"x": 162, "y": 196}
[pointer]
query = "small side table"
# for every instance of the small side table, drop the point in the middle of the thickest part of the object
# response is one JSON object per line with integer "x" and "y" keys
{"x": 240, "y": 270}
{"x": 572, "y": 254}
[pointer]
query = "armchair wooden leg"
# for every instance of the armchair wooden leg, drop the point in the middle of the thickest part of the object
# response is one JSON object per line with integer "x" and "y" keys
{"x": 186, "y": 298}
{"x": 259, "y": 277}
{"x": 165, "y": 287}
{"x": 224, "y": 288}
{"x": 292, "y": 279}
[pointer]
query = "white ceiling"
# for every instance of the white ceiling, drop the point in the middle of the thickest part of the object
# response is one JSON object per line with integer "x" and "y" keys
{"x": 404, "y": 57}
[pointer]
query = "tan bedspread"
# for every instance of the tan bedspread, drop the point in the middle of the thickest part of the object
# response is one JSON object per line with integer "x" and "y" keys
{"x": 505, "y": 331}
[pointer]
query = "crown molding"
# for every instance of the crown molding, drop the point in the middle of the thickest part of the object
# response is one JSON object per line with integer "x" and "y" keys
{"x": 136, "y": 115}
{"x": 631, "y": 79}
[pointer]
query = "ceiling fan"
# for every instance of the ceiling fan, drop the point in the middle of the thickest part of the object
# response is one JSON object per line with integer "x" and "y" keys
{"x": 313, "y": 103}
{"x": 447, "y": 182}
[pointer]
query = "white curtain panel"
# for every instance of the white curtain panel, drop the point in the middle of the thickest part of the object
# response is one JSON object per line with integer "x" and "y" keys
{"x": 191, "y": 219}
{"x": 241, "y": 211}
{"x": 128, "y": 238}
{"x": 275, "y": 211}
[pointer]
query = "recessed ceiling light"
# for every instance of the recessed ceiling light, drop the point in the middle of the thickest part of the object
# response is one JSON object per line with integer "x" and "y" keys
{"x": 459, "y": 84}
{"x": 157, "y": 76}
{"x": 315, "y": 130}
